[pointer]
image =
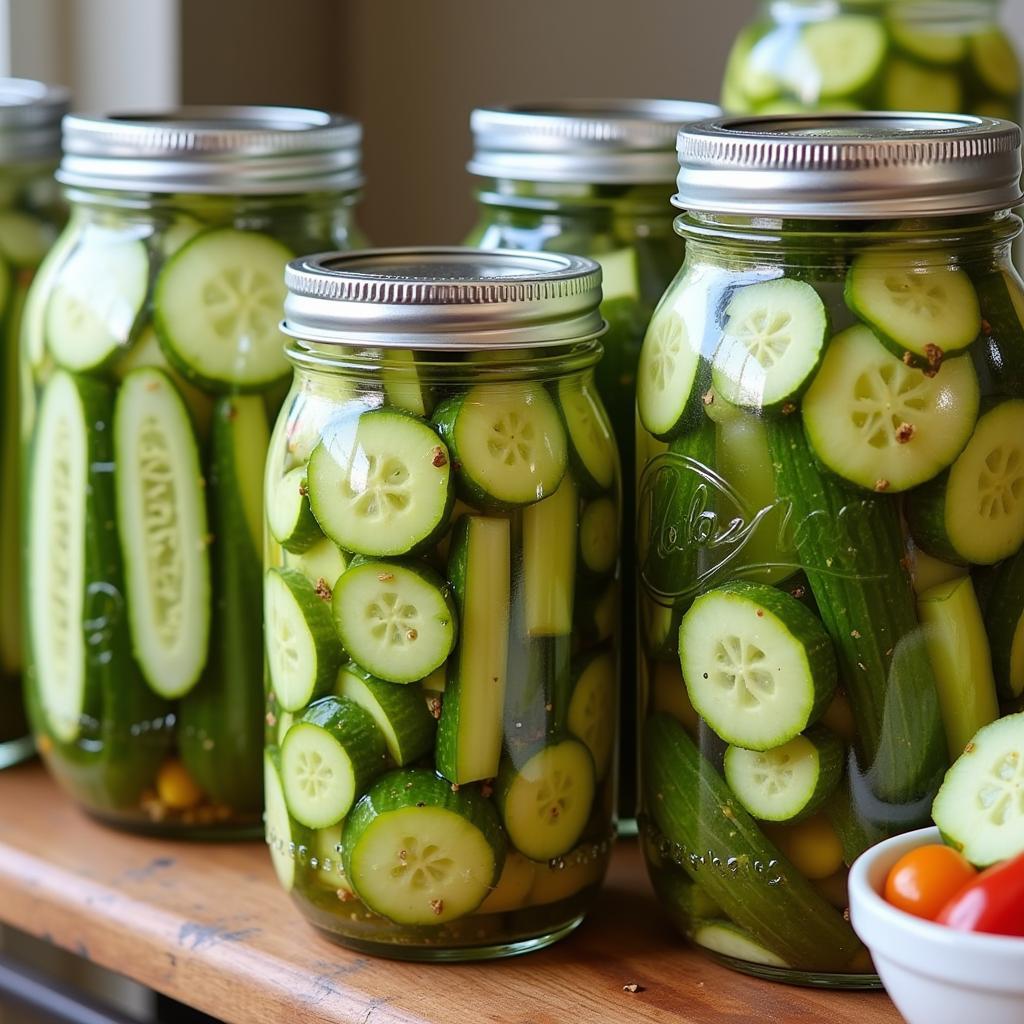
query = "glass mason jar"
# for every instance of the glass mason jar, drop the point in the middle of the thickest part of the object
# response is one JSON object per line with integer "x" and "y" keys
{"x": 594, "y": 178}
{"x": 31, "y": 214}
{"x": 442, "y": 521}
{"x": 153, "y": 368}
{"x": 832, "y": 395}
{"x": 938, "y": 55}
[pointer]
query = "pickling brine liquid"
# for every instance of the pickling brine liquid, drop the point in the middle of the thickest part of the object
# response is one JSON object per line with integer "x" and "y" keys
{"x": 831, "y": 516}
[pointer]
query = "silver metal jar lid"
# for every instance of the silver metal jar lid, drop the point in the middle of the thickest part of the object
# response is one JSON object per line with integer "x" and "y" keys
{"x": 850, "y": 166}
{"x": 443, "y": 298}
{"x": 30, "y": 114}
{"x": 229, "y": 150}
{"x": 628, "y": 142}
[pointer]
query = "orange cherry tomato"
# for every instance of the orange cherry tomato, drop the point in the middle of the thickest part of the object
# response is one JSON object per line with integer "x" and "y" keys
{"x": 924, "y": 880}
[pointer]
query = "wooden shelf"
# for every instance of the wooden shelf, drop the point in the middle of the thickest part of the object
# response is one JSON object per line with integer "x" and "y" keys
{"x": 208, "y": 925}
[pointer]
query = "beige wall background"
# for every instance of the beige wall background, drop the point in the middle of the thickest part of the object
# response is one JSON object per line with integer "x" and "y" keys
{"x": 412, "y": 70}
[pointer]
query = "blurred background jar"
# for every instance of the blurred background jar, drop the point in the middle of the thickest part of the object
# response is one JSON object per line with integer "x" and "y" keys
{"x": 832, "y": 402}
{"x": 950, "y": 56}
{"x": 442, "y": 513}
{"x": 31, "y": 214}
{"x": 593, "y": 177}
{"x": 152, "y": 369}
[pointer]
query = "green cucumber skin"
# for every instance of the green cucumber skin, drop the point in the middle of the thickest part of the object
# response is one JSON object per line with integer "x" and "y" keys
{"x": 414, "y": 787}
{"x": 1003, "y": 610}
{"x": 221, "y": 721}
{"x": 133, "y": 730}
{"x": 1002, "y": 332}
{"x": 586, "y": 485}
{"x": 760, "y": 890}
{"x": 405, "y": 704}
{"x": 672, "y": 557}
{"x": 926, "y": 516}
{"x": 870, "y": 613}
{"x": 356, "y": 731}
{"x": 539, "y": 686}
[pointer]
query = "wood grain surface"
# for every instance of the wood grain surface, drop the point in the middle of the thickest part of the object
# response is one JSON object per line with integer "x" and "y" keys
{"x": 208, "y": 925}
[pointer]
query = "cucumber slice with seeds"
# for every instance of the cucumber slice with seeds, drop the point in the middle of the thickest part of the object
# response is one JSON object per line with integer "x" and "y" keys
{"x": 759, "y": 667}
{"x": 395, "y": 619}
{"x": 162, "y": 524}
{"x": 96, "y": 300}
{"x": 593, "y": 710}
{"x": 302, "y": 646}
{"x": 289, "y": 517}
{"x": 329, "y": 757}
{"x": 910, "y": 86}
{"x": 380, "y": 483}
{"x": 399, "y": 711}
{"x": 420, "y": 853}
{"x": 666, "y": 376}
{"x": 924, "y": 309}
{"x": 216, "y": 308}
{"x": 772, "y": 340}
{"x": 591, "y": 444}
{"x": 786, "y": 783}
{"x": 975, "y": 512}
{"x": 979, "y": 808}
{"x": 847, "y": 53}
{"x": 545, "y": 804}
{"x": 995, "y": 62}
{"x": 599, "y": 536}
{"x": 508, "y": 441}
{"x": 882, "y": 424}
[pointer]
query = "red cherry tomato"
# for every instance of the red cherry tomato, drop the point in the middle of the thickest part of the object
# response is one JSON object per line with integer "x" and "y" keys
{"x": 993, "y": 902}
{"x": 924, "y": 880}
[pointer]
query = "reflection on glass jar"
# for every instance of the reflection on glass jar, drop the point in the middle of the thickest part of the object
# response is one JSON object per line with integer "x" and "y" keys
{"x": 593, "y": 178}
{"x": 949, "y": 56}
{"x": 153, "y": 366}
{"x": 832, "y": 404}
{"x": 31, "y": 214}
{"x": 442, "y": 504}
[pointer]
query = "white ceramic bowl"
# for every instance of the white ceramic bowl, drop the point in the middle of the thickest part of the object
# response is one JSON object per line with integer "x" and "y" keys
{"x": 934, "y": 974}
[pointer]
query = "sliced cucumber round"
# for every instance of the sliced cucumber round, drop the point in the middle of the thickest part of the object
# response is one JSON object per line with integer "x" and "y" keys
{"x": 882, "y": 424}
{"x": 666, "y": 376}
{"x": 975, "y": 513}
{"x": 33, "y": 319}
{"x": 729, "y": 940}
{"x": 980, "y": 806}
{"x": 217, "y": 306}
{"x": 420, "y": 853}
{"x": 303, "y": 652}
{"x": 923, "y": 308}
{"x": 995, "y": 62}
{"x": 786, "y": 783}
{"x": 847, "y": 53}
{"x": 591, "y": 442}
{"x": 329, "y": 757}
{"x": 403, "y": 385}
{"x": 933, "y": 46}
{"x": 772, "y": 340}
{"x": 599, "y": 536}
{"x": 162, "y": 524}
{"x": 289, "y": 517}
{"x": 911, "y": 86}
{"x": 396, "y": 619}
{"x": 322, "y": 563}
{"x": 381, "y": 483}
{"x": 508, "y": 441}
{"x": 96, "y": 299}
{"x": 546, "y": 802}
{"x": 759, "y": 666}
{"x": 593, "y": 709}
{"x": 399, "y": 711}
{"x": 283, "y": 836}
